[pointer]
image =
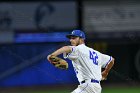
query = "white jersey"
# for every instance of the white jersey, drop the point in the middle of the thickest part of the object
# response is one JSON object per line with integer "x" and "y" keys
{"x": 87, "y": 62}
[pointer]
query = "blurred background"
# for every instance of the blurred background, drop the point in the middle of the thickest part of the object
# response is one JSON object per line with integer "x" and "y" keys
{"x": 30, "y": 30}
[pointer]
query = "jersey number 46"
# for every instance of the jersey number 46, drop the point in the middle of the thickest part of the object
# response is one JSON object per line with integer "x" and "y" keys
{"x": 93, "y": 57}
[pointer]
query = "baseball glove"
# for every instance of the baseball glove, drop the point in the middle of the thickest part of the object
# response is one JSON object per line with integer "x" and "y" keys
{"x": 58, "y": 62}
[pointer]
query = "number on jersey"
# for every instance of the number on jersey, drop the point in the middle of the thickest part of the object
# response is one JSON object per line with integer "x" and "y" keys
{"x": 93, "y": 57}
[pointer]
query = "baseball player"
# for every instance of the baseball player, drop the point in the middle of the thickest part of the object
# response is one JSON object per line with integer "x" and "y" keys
{"x": 87, "y": 63}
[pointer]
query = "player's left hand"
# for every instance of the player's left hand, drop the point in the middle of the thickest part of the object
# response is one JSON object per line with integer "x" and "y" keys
{"x": 58, "y": 62}
{"x": 104, "y": 75}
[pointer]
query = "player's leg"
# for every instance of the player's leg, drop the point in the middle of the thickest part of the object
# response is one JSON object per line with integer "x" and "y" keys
{"x": 81, "y": 88}
{"x": 95, "y": 87}
{"x": 88, "y": 88}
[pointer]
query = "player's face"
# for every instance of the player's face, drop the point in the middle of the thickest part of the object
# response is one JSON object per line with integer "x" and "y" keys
{"x": 75, "y": 41}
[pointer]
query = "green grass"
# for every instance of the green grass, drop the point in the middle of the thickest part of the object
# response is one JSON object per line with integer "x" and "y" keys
{"x": 107, "y": 89}
{"x": 121, "y": 90}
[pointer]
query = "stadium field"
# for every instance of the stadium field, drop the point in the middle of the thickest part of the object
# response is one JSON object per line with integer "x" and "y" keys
{"x": 105, "y": 90}
{"x": 69, "y": 89}
{"x": 122, "y": 90}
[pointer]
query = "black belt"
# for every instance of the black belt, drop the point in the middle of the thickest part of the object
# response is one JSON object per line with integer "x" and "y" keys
{"x": 92, "y": 80}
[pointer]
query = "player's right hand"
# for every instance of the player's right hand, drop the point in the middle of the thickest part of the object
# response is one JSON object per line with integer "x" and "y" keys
{"x": 104, "y": 75}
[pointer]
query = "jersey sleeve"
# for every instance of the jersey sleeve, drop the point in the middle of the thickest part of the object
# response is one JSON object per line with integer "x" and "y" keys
{"x": 72, "y": 55}
{"x": 105, "y": 59}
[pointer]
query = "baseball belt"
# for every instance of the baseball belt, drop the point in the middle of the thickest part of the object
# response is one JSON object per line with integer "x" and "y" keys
{"x": 92, "y": 80}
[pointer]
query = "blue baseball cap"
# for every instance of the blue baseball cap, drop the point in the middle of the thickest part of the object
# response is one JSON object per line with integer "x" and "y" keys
{"x": 77, "y": 33}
